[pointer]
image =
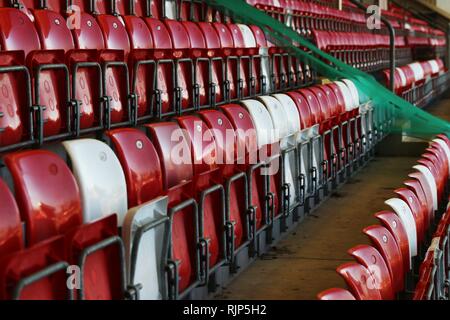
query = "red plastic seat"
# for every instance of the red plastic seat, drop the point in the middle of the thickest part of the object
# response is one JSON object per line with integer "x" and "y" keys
{"x": 247, "y": 158}
{"x": 182, "y": 47}
{"x": 46, "y": 211}
{"x": 393, "y": 223}
{"x": 335, "y": 294}
{"x": 16, "y": 123}
{"x": 427, "y": 191}
{"x": 414, "y": 204}
{"x": 415, "y": 186}
{"x": 306, "y": 119}
{"x": 233, "y": 179}
{"x": 386, "y": 244}
{"x": 209, "y": 192}
{"x": 370, "y": 258}
{"x": 177, "y": 172}
{"x": 232, "y": 90}
{"x": 217, "y": 57}
{"x": 201, "y": 59}
{"x": 360, "y": 281}
{"x": 140, "y": 163}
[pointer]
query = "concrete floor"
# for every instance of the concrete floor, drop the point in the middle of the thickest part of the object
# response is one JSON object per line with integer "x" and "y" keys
{"x": 304, "y": 262}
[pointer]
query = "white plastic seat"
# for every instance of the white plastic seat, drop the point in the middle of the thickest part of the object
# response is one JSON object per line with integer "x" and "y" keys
{"x": 294, "y": 126}
{"x": 147, "y": 251}
{"x": 348, "y": 97}
{"x": 418, "y": 71}
{"x": 434, "y": 66}
{"x": 402, "y": 209}
{"x": 171, "y": 9}
{"x": 249, "y": 38}
{"x": 431, "y": 183}
{"x": 354, "y": 92}
{"x": 265, "y": 133}
{"x": 402, "y": 76}
{"x": 265, "y": 60}
{"x": 100, "y": 178}
{"x": 288, "y": 138}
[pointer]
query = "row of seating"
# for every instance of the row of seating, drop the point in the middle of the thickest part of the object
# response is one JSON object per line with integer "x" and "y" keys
{"x": 63, "y": 82}
{"x": 188, "y": 195}
{"x": 307, "y": 17}
{"x": 387, "y": 268}
{"x": 419, "y": 82}
{"x": 366, "y": 51}
{"x": 434, "y": 272}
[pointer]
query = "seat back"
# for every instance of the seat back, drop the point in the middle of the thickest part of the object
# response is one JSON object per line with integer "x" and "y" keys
{"x": 416, "y": 188}
{"x": 100, "y": 179}
{"x": 175, "y": 155}
{"x": 18, "y": 32}
{"x": 370, "y": 258}
{"x": 430, "y": 181}
{"x": 394, "y": 224}
{"x": 263, "y": 123}
{"x": 386, "y": 245}
{"x": 246, "y": 135}
{"x": 166, "y": 72}
{"x": 413, "y": 202}
{"x": 48, "y": 209}
{"x": 306, "y": 119}
{"x": 427, "y": 190}
{"x": 140, "y": 164}
{"x": 360, "y": 281}
{"x": 402, "y": 209}
{"x": 15, "y": 125}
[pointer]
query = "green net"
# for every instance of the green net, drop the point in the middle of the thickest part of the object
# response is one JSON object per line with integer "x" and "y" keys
{"x": 410, "y": 120}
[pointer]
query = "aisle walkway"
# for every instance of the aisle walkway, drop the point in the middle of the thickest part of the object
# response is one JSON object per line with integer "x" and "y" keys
{"x": 304, "y": 263}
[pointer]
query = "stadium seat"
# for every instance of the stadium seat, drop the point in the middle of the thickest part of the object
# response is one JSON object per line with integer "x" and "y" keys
{"x": 62, "y": 209}
{"x": 393, "y": 223}
{"x": 145, "y": 227}
{"x": 386, "y": 244}
{"x": 402, "y": 209}
{"x": 261, "y": 199}
{"x": 217, "y": 60}
{"x": 184, "y": 273}
{"x": 100, "y": 178}
{"x": 268, "y": 152}
{"x": 239, "y": 217}
{"x": 370, "y": 258}
{"x": 413, "y": 202}
{"x": 361, "y": 282}
{"x": 208, "y": 190}
{"x": 287, "y": 179}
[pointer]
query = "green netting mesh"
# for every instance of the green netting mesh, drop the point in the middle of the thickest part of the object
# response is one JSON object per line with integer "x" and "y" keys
{"x": 410, "y": 120}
